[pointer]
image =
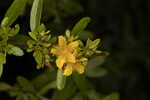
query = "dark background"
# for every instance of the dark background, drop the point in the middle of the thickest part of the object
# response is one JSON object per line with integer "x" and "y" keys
{"x": 122, "y": 25}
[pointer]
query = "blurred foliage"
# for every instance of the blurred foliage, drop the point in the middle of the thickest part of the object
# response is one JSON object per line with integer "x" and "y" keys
{"x": 122, "y": 25}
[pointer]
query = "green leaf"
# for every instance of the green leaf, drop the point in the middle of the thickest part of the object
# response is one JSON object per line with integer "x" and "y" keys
{"x": 94, "y": 44}
{"x": 93, "y": 95}
{"x": 35, "y": 16}
{"x": 84, "y": 35}
{"x": 5, "y": 86}
{"x": 15, "y": 10}
{"x": 88, "y": 43}
{"x": 93, "y": 68}
{"x": 80, "y": 26}
{"x": 96, "y": 72}
{"x": 66, "y": 93}
{"x": 45, "y": 89}
{"x": 33, "y": 35}
{"x": 14, "y": 50}
{"x": 38, "y": 58}
{"x": 14, "y": 31}
{"x": 4, "y": 22}
{"x": 41, "y": 28}
{"x": 61, "y": 79}
{"x": 1, "y": 69}
{"x": 46, "y": 77}
{"x": 96, "y": 61}
{"x": 19, "y": 40}
{"x": 81, "y": 82}
{"x": 78, "y": 97}
{"x": 25, "y": 84}
{"x": 2, "y": 58}
{"x": 113, "y": 96}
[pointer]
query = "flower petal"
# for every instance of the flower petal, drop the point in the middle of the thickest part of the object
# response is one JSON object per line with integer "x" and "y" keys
{"x": 60, "y": 61}
{"x": 83, "y": 59}
{"x": 62, "y": 41}
{"x": 75, "y": 53}
{"x": 79, "y": 68}
{"x": 73, "y": 45}
{"x": 54, "y": 51}
{"x": 71, "y": 58}
{"x": 68, "y": 70}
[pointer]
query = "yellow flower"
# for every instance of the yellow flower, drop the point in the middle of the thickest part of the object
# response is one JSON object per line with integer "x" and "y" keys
{"x": 64, "y": 52}
{"x": 67, "y": 56}
{"x": 77, "y": 66}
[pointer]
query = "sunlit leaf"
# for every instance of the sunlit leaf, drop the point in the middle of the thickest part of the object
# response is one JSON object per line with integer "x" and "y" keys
{"x": 15, "y": 50}
{"x": 35, "y": 16}
{"x": 94, "y": 44}
{"x": 33, "y": 35}
{"x": 61, "y": 79}
{"x": 4, "y": 22}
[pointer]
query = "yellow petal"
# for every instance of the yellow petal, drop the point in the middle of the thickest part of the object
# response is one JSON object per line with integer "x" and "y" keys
{"x": 79, "y": 68}
{"x": 83, "y": 59}
{"x": 62, "y": 41}
{"x": 54, "y": 51}
{"x": 75, "y": 53}
{"x": 73, "y": 45}
{"x": 60, "y": 61}
{"x": 68, "y": 70}
{"x": 70, "y": 58}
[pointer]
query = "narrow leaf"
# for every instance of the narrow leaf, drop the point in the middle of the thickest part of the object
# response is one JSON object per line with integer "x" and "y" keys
{"x": 61, "y": 80}
{"x": 80, "y": 26}
{"x": 1, "y": 69}
{"x": 36, "y": 14}
{"x": 15, "y": 10}
{"x": 5, "y": 86}
{"x": 45, "y": 89}
{"x": 38, "y": 56}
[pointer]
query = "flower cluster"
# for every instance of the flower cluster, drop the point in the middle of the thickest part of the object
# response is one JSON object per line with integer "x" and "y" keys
{"x": 67, "y": 56}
